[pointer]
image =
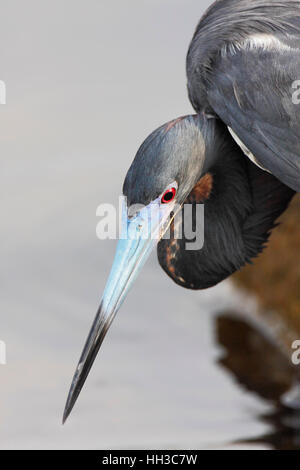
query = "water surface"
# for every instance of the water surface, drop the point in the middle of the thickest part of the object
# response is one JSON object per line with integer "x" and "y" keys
{"x": 86, "y": 82}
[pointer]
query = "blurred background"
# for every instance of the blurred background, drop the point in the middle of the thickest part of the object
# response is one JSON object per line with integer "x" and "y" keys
{"x": 86, "y": 82}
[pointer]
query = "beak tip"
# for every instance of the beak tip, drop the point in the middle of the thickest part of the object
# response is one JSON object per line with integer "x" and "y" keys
{"x": 76, "y": 386}
{"x": 67, "y": 411}
{"x": 65, "y": 417}
{"x": 71, "y": 400}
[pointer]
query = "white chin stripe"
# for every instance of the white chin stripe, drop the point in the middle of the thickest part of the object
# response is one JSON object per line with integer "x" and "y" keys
{"x": 246, "y": 150}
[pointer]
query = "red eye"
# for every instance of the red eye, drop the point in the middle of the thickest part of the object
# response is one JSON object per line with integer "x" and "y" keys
{"x": 168, "y": 196}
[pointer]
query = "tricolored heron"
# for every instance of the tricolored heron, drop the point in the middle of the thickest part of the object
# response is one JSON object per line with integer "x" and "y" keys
{"x": 242, "y": 67}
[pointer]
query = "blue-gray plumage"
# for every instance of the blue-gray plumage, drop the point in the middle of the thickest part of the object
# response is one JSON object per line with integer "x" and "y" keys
{"x": 242, "y": 66}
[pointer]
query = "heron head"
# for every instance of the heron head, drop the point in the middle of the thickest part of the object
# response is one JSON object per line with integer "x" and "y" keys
{"x": 172, "y": 153}
{"x": 166, "y": 168}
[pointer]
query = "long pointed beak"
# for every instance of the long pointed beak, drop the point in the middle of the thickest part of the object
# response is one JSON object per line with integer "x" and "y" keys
{"x": 138, "y": 236}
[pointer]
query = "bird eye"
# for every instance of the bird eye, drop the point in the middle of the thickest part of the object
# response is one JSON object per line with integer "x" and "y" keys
{"x": 168, "y": 196}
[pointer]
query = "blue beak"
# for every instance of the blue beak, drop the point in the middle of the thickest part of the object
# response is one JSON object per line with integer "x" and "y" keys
{"x": 139, "y": 235}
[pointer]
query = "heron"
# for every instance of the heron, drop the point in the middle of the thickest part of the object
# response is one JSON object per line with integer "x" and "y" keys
{"x": 239, "y": 155}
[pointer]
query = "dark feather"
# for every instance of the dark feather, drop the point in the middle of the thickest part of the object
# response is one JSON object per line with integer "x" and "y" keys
{"x": 251, "y": 89}
{"x": 240, "y": 213}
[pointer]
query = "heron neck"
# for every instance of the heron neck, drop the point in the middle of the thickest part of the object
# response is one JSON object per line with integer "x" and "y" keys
{"x": 241, "y": 205}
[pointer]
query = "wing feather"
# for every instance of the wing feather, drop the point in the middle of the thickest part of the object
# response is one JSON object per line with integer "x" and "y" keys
{"x": 253, "y": 92}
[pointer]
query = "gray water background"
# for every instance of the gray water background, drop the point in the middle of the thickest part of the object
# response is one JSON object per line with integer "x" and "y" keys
{"x": 87, "y": 81}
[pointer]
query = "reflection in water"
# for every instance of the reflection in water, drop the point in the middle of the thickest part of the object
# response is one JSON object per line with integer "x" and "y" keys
{"x": 259, "y": 365}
